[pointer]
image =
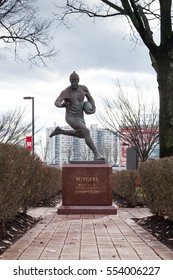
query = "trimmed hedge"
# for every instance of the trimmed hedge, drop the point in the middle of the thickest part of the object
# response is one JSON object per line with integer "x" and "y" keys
{"x": 24, "y": 180}
{"x": 152, "y": 183}
{"x": 157, "y": 185}
{"x": 126, "y": 183}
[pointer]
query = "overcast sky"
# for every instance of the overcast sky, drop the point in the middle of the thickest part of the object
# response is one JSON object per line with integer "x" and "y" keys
{"x": 100, "y": 52}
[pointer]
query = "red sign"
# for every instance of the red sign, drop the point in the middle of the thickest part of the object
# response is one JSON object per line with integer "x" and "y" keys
{"x": 29, "y": 142}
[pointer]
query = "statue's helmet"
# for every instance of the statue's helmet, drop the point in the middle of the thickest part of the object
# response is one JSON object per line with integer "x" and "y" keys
{"x": 74, "y": 77}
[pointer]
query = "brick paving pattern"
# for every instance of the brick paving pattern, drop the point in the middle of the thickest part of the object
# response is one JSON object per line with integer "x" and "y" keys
{"x": 88, "y": 237}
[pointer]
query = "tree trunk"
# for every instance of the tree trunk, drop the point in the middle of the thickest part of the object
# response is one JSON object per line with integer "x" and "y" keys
{"x": 165, "y": 82}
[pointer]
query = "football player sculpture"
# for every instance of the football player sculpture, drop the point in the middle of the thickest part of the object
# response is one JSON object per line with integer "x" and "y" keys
{"x": 72, "y": 98}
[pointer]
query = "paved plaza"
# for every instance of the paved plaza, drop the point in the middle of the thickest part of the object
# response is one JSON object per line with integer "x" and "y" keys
{"x": 88, "y": 237}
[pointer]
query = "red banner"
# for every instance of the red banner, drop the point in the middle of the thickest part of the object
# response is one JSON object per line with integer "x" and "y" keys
{"x": 29, "y": 142}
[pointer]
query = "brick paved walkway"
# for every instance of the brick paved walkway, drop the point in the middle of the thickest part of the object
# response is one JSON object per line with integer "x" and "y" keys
{"x": 88, "y": 237}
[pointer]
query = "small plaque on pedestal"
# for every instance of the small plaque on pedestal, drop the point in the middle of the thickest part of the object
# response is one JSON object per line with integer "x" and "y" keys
{"x": 87, "y": 189}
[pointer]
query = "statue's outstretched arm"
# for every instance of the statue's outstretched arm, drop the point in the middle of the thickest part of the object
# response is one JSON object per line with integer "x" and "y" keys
{"x": 60, "y": 101}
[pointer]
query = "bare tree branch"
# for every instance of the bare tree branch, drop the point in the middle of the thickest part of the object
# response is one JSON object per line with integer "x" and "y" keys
{"x": 12, "y": 128}
{"x": 79, "y": 7}
{"x": 20, "y": 26}
{"x": 137, "y": 125}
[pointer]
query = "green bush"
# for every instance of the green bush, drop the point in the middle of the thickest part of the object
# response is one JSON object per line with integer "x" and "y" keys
{"x": 24, "y": 180}
{"x": 157, "y": 184}
{"x": 126, "y": 183}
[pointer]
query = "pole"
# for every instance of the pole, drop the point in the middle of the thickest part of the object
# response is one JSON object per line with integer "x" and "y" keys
{"x": 33, "y": 132}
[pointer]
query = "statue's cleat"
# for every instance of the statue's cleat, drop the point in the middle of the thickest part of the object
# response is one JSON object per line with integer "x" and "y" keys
{"x": 56, "y": 131}
{"x": 98, "y": 157}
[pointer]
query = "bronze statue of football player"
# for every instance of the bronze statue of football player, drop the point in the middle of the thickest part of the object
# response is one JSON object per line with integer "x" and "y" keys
{"x": 73, "y": 99}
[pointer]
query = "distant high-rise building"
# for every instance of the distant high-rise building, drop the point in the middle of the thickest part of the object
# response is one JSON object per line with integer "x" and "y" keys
{"x": 62, "y": 148}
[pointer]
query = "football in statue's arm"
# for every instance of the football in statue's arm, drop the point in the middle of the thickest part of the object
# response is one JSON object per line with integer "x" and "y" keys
{"x": 87, "y": 108}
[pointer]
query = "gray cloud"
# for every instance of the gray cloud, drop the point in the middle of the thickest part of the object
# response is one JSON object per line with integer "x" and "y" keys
{"x": 99, "y": 45}
{"x": 87, "y": 45}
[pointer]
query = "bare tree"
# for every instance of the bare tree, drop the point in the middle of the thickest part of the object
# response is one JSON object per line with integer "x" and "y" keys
{"x": 152, "y": 19}
{"x": 12, "y": 128}
{"x": 20, "y": 25}
{"x": 136, "y": 125}
{"x": 109, "y": 154}
{"x": 42, "y": 149}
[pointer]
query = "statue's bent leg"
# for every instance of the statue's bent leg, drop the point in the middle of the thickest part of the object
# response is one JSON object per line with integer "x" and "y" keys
{"x": 80, "y": 131}
{"x": 83, "y": 132}
{"x": 73, "y": 133}
{"x": 91, "y": 145}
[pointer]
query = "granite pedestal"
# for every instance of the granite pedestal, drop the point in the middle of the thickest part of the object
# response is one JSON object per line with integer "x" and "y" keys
{"x": 87, "y": 189}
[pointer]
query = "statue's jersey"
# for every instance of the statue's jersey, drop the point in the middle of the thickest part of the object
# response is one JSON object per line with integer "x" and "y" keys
{"x": 73, "y": 100}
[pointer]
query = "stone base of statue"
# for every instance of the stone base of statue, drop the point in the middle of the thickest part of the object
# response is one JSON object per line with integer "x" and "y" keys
{"x": 87, "y": 188}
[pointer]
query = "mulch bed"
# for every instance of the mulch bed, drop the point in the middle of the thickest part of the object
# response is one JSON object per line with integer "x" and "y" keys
{"x": 16, "y": 227}
{"x": 160, "y": 227}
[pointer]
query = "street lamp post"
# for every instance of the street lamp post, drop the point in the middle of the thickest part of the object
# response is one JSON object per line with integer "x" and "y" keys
{"x": 30, "y": 97}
